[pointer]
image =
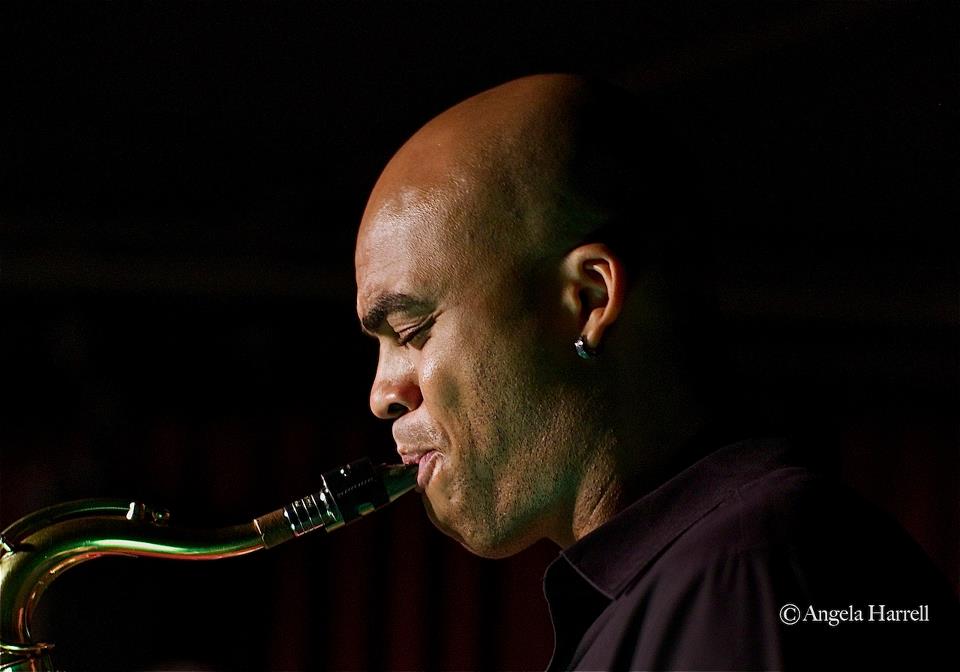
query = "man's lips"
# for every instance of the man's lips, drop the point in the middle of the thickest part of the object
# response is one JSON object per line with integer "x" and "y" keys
{"x": 428, "y": 464}
{"x": 426, "y": 460}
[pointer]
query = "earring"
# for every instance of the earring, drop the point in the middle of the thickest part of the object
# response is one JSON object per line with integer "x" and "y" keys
{"x": 584, "y": 350}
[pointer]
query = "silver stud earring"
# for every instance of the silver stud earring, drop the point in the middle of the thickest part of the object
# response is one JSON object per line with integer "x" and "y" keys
{"x": 584, "y": 350}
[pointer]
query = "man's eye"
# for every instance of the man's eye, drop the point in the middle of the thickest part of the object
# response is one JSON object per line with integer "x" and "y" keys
{"x": 410, "y": 335}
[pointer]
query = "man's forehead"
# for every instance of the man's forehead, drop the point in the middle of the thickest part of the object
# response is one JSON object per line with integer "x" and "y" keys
{"x": 393, "y": 272}
{"x": 405, "y": 238}
{"x": 394, "y": 225}
{"x": 436, "y": 217}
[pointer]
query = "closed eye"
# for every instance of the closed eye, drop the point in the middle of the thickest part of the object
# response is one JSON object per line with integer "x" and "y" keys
{"x": 410, "y": 334}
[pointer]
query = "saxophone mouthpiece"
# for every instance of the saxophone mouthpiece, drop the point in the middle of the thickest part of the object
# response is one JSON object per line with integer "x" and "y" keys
{"x": 348, "y": 493}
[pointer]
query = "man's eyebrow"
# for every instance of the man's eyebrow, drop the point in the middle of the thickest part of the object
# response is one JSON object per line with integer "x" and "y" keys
{"x": 385, "y": 305}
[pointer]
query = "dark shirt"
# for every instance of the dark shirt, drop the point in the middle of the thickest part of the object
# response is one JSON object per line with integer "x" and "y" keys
{"x": 694, "y": 575}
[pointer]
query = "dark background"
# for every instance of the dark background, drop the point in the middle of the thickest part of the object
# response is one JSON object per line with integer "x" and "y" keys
{"x": 180, "y": 185}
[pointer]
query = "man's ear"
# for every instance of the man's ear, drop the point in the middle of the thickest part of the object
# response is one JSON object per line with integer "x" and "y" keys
{"x": 594, "y": 288}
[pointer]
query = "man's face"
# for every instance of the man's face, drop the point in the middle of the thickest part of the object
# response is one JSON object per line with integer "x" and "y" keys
{"x": 465, "y": 369}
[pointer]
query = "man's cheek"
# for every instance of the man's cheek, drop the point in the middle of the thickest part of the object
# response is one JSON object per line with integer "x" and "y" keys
{"x": 438, "y": 384}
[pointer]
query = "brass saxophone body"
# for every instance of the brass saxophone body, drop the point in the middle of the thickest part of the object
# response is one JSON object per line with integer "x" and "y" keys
{"x": 38, "y": 548}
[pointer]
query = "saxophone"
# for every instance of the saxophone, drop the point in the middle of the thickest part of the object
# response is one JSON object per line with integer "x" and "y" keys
{"x": 39, "y": 547}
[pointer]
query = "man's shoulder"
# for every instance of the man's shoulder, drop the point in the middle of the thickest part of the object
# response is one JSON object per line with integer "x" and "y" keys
{"x": 804, "y": 531}
{"x": 759, "y": 532}
{"x": 788, "y": 505}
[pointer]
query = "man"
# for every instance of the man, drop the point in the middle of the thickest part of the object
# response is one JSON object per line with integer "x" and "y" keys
{"x": 525, "y": 262}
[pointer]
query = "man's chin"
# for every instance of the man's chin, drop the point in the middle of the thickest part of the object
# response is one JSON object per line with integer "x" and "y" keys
{"x": 444, "y": 527}
{"x": 484, "y": 547}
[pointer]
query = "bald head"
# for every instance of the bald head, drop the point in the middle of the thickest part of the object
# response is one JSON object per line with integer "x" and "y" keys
{"x": 532, "y": 166}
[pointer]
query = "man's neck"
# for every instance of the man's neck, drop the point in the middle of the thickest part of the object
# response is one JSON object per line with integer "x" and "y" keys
{"x": 621, "y": 470}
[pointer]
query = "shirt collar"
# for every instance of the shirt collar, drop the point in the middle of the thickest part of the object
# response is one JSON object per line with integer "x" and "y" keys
{"x": 620, "y": 549}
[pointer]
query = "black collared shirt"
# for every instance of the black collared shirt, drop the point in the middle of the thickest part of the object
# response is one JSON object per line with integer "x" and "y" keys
{"x": 703, "y": 572}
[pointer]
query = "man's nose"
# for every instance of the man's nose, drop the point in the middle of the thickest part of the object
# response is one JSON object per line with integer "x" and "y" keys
{"x": 395, "y": 390}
